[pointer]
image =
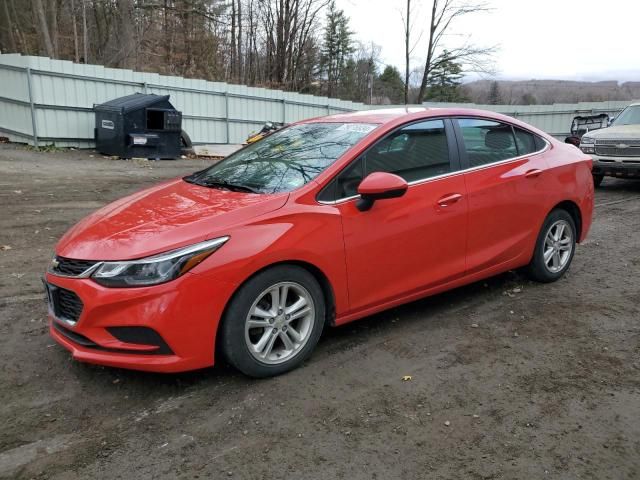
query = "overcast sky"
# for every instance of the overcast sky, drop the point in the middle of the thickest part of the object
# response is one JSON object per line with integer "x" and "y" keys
{"x": 541, "y": 39}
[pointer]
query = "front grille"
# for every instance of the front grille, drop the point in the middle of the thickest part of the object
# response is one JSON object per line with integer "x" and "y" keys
{"x": 66, "y": 305}
{"x": 71, "y": 267}
{"x": 616, "y": 141}
{"x": 613, "y": 151}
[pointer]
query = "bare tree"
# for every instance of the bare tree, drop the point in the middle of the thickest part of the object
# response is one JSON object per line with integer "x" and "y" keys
{"x": 76, "y": 49}
{"x": 127, "y": 34}
{"x": 85, "y": 36}
{"x": 44, "y": 28}
{"x": 407, "y": 34}
{"x": 443, "y": 15}
{"x": 288, "y": 27}
{"x": 8, "y": 26}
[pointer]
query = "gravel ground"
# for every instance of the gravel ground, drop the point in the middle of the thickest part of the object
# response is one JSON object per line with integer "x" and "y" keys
{"x": 509, "y": 379}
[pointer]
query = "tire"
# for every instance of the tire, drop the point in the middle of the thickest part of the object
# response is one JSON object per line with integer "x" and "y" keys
{"x": 556, "y": 265}
{"x": 259, "y": 349}
{"x": 597, "y": 180}
{"x": 186, "y": 144}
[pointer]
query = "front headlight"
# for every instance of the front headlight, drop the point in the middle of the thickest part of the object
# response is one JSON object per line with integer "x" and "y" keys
{"x": 156, "y": 269}
{"x": 589, "y": 140}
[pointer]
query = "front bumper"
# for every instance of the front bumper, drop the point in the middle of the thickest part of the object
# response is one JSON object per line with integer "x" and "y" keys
{"x": 178, "y": 319}
{"x": 624, "y": 167}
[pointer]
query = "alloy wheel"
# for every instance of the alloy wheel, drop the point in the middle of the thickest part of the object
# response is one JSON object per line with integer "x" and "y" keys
{"x": 558, "y": 246}
{"x": 279, "y": 323}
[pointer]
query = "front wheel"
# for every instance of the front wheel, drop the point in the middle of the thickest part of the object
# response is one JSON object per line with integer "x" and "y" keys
{"x": 274, "y": 321}
{"x": 555, "y": 247}
{"x": 597, "y": 180}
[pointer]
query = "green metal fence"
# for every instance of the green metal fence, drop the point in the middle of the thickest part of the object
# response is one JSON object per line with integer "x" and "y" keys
{"x": 44, "y": 101}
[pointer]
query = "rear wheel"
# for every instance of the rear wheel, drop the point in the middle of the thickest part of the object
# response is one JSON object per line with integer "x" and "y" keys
{"x": 274, "y": 321}
{"x": 597, "y": 180}
{"x": 555, "y": 247}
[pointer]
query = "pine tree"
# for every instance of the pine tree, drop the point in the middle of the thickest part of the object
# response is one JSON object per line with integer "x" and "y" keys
{"x": 336, "y": 48}
{"x": 391, "y": 85}
{"x": 444, "y": 82}
{"x": 494, "y": 94}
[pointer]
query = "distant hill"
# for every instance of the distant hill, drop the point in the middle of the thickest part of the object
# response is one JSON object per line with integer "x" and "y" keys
{"x": 528, "y": 92}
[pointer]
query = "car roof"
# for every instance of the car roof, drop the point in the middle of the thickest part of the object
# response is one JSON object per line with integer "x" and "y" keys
{"x": 399, "y": 115}
{"x": 376, "y": 115}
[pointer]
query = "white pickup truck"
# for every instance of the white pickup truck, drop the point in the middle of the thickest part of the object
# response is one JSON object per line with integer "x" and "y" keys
{"x": 615, "y": 150}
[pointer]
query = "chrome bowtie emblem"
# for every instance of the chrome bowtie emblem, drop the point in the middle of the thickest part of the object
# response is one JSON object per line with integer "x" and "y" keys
{"x": 622, "y": 145}
{"x": 55, "y": 263}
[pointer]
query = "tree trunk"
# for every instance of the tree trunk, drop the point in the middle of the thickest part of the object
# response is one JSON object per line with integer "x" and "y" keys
{"x": 240, "y": 60}
{"x": 44, "y": 28}
{"x": 233, "y": 56}
{"x": 406, "y": 56}
{"x": 85, "y": 37}
{"x": 127, "y": 34}
{"x": 53, "y": 26}
{"x": 427, "y": 65}
{"x": 9, "y": 27}
{"x": 76, "y": 49}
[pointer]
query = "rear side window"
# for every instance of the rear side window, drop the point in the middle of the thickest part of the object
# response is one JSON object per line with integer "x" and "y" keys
{"x": 540, "y": 143}
{"x": 527, "y": 142}
{"x": 415, "y": 152}
{"x": 487, "y": 141}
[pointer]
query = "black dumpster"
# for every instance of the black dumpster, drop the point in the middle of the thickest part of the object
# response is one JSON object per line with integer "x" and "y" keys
{"x": 138, "y": 125}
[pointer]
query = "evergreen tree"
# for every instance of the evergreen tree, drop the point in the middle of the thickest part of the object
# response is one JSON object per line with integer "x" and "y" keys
{"x": 444, "y": 82}
{"x": 337, "y": 47}
{"x": 494, "y": 94}
{"x": 390, "y": 85}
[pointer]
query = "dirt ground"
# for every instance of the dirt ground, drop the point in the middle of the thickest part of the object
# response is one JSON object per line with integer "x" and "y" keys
{"x": 509, "y": 379}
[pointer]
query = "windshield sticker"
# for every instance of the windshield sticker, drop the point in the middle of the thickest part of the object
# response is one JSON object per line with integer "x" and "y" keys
{"x": 356, "y": 127}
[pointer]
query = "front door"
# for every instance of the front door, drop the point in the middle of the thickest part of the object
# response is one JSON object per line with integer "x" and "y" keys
{"x": 408, "y": 244}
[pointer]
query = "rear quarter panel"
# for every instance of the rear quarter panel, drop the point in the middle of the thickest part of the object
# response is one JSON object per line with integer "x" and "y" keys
{"x": 571, "y": 180}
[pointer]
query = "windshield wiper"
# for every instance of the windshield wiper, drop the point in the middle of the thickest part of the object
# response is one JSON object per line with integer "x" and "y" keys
{"x": 219, "y": 183}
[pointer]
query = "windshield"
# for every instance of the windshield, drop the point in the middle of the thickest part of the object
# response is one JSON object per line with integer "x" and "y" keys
{"x": 285, "y": 160}
{"x": 629, "y": 116}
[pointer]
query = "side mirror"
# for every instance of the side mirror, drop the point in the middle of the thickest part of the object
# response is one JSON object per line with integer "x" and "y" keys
{"x": 378, "y": 186}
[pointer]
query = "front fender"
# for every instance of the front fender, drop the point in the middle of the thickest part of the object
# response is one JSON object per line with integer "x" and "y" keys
{"x": 313, "y": 234}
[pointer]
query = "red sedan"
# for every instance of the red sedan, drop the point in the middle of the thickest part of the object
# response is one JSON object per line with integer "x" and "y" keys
{"x": 321, "y": 223}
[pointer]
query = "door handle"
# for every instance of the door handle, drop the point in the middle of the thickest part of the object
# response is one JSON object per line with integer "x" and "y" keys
{"x": 535, "y": 173}
{"x": 449, "y": 199}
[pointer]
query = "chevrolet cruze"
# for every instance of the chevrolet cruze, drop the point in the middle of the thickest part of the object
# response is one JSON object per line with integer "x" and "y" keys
{"x": 319, "y": 224}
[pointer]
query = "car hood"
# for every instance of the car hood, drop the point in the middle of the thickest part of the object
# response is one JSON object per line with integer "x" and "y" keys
{"x": 168, "y": 216}
{"x": 617, "y": 132}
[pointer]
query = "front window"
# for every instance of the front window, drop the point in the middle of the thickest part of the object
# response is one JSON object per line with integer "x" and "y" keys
{"x": 414, "y": 152}
{"x": 629, "y": 116}
{"x": 285, "y": 160}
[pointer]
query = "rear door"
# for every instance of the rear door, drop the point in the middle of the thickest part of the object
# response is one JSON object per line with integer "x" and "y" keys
{"x": 505, "y": 176}
{"x": 406, "y": 244}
